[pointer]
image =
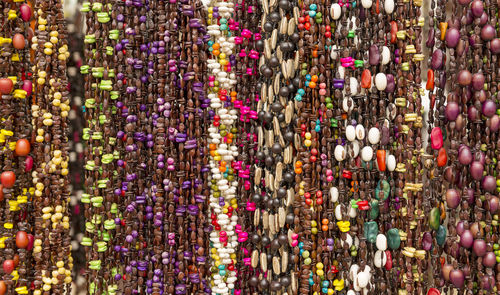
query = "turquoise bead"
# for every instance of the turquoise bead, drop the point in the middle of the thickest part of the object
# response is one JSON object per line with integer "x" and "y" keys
{"x": 301, "y": 92}
{"x": 313, "y": 7}
{"x": 441, "y": 235}
{"x": 382, "y": 187}
{"x": 371, "y": 231}
{"x": 393, "y": 238}
{"x": 374, "y": 209}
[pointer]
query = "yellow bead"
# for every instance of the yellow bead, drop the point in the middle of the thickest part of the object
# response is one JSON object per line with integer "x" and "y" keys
{"x": 314, "y": 230}
{"x": 320, "y": 272}
{"x": 222, "y": 55}
{"x": 319, "y": 265}
{"x": 307, "y": 142}
{"x": 314, "y": 223}
{"x": 330, "y": 291}
{"x": 308, "y": 135}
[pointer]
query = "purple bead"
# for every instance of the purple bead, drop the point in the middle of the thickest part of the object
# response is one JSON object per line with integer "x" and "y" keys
{"x": 117, "y": 220}
{"x": 118, "y": 277}
{"x": 120, "y": 17}
{"x": 117, "y": 248}
{"x": 118, "y": 191}
{"x": 143, "y": 19}
{"x": 129, "y": 239}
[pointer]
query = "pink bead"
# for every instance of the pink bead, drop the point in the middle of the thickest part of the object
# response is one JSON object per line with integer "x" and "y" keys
{"x": 238, "y": 40}
{"x": 246, "y": 33}
{"x": 329, "y": 178}
{"x": 25, "y": 12}
{"x": 250, "y": 10}
{"x": 245, "y": 251}
{"x": 242, "y": 240}
{"x": 257, "y": 36}
{"x": 322, "y": 92}
{"x": 211, "y": 84}
{"x": 329, "y": 172}
{"x": 27, "y": 85}
{"x": 247, "y": 261}
{"x": 249, "y": 71}
{"x": 436, "y": 138}
{"x": 170, "y": 161}
{"x": 211, "y": 78}
{"x": 295, "y": 236}
{"x": 294, "y": 243}
{"x": 237, "y": 292}
{"x": 322, "y": 85}
{"x": 28, "y": 164}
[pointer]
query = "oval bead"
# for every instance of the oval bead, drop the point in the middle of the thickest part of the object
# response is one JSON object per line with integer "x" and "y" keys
{"x": 391, "y": 163}
{"x": 366, "y": 3}
{"x": 360, "y": 132}
{"x": 389, "y": 6}
{"x": 340, "y": 153}
{"x": 350, "y": 133}
{"x": 367, "y": 154}
{"x": 381, "y": 242}
{"x": 335, "y": 11}
{"x": 381, "y": 81}
{"x": 386, "y": 55}
{"x": 374, "y": 135}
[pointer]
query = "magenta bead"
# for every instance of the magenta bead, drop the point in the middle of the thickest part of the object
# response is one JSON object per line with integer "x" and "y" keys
{"x": 436, "y": 138}
{"x": 25, "y": 10}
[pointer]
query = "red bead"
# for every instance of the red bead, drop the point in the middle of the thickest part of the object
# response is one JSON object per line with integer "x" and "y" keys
{"x": 307, "y": 195}
{"x": 314, "y": 152}
{"x": 319, "y": 201}
{"x": 319, "y": 194}
{"x": 328, "y": 34}
{"x": 308, "y": 201}
{"x": 312, "y": 159}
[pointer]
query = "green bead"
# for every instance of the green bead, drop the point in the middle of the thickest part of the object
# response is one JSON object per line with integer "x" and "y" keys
{"x": 441, "y": 235}
{"x": 382, "y": 186}
{"x": 371, "y": 231}
{"x": 434, "y": 218}
{"x": 374, "y": 209}
{"x": 393, "y": 238}
{"x": 305, "y": 254}
{"x": 307, "y": 261}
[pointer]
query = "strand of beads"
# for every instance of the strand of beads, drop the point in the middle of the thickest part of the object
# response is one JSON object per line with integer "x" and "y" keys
{"x": 247, "y": 89}
{"x": 15, "y": 131}
{"x": 185, "y": 106}
{"x": 98, "y": 199}
{"x": 274, "y": 170}
{"x": 223, "y": 151}
{"x": 435, "y": 84}
{"x": 52, "y": 251}
{"x": 470, "y": 175}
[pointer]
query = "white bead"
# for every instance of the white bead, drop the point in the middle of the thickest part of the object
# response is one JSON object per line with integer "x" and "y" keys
{"x": 348, "y": 240}
{"x": 379, "y": 259}
{"x": 354, "y": 85}
{"x": 381, "y": 242}
{"x": 389, "y": 6}
{"x": 360, "y": 132}
{"x": 335, "y": 11}
{"x": 380, "y": 81}
{"x": 340, "y": 153}
{"x": 334, "y": 194}
{"x": 351, "y": 292}
{"x": 353, "y": 149}
{"x": 367, "y": 153}
{"x": 353, "y": 271}
{"x": 391, "y": 163}
{"x": 366, "y": 3}
{"x": 352, "y": 212}
{"x": 338, "y": 212}
{"x": 374, "y": 135}
{"x": 347, "y": 107}
{"x": 355, "y": 284}
{"x": 363, "y": 279}
{"x": 350, "y": 133}
{"x": 386, "y": 55}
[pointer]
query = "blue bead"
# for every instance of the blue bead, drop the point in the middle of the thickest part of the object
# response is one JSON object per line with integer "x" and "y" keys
{"x": 317, "y": 129}
{"x": 301, "y": 91}
{"x": 298, "y": 98}
{"x": 308, "y": 77}
{"x": 222, "y": 266}
{"x": 311, "y": 282}
{"x": 325, "y": 284}
{"x": 307, "y": 83}
{"x": 312, "y": 13}
{"x": 313, "y": 7}
{"x": 222, "y": 272}
{"x": 210, "y": 43}
{"x": 324, "y": 290}
{"x": 301, "y": 251}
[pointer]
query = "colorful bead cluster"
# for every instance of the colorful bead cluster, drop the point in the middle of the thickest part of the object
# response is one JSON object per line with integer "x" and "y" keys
{"x": 253, "y": 147}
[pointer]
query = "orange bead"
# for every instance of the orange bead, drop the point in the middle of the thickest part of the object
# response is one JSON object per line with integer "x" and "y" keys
{"x": 314, "y": 78}
{"x": 212, "y": 146}
{"x": 229, "y": 140}
{"x": 222, "y": 169}
{"x": 215, "y": 52}
{"x": 298, "y": 170}
{"x": 298, "y": 164}
{"x": 324, "y": 227}
{"x": 223, "y": 163}
{"x": 216, "y": 46}
{"x": 324, "y": 221}
{"x": 312, "y": 84}
{"x": 315, "y": 53}
{"x": 233, "y": 93}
